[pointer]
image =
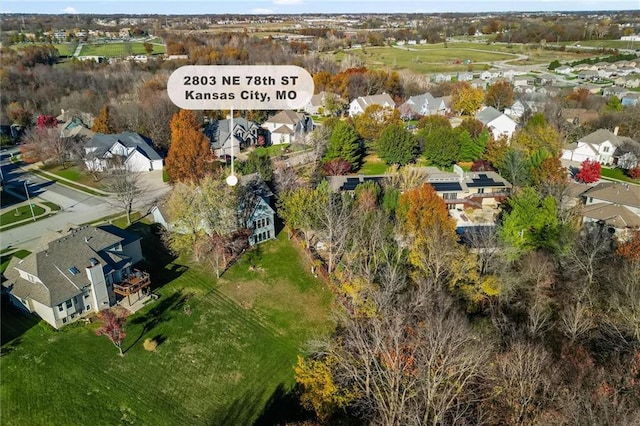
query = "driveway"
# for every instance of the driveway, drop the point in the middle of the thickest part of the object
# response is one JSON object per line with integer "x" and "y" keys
{"x": 77, "y": 207}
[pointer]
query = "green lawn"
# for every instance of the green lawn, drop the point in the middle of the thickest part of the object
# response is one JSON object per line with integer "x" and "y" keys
{"x": 617, "y": 174}
{"x": 373, "y": 166}
{"x": 119, "y": 49}
{"x": 20, "y": 213}
{"x": 226, "y": 349}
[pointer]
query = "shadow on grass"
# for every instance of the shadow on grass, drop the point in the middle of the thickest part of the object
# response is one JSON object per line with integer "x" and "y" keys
{"x": 158, "y": 259}
{"x": 14, "y": 323}
{"x": 283, "y": 408}
{"x": 163, "y": 311}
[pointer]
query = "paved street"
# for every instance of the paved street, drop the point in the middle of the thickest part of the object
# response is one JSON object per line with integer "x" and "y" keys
{"x": 77, "y": 207}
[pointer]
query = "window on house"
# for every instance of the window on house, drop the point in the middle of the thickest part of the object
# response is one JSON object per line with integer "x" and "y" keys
{"x": 64, "y": 320}
{"x": 74, "y": 270}
{"x": 60, "y": 307}
{"x": 69, "y": 304}
{"x": 480, "y": 190}
{"x": 268, "y": 234}
{"x": 88, "y": 307}
{"x": 73, "y": 316}
{"x": 605, "y": 149}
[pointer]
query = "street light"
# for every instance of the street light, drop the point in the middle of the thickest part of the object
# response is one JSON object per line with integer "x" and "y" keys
{"x": 29, "y": 199}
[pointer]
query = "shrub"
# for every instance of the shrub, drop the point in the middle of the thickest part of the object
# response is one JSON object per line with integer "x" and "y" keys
{"x": 634, "y": 173}
{"x": 150, "y": 345}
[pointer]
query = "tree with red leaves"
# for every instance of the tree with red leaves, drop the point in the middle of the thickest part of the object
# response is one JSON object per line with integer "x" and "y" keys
{"x": 113, "y": 328}
{"x": 589, "y": 172}
{"x": 46, "y": 121}
{"x": 634, "y": 173}
{"x": 336, "y": 167}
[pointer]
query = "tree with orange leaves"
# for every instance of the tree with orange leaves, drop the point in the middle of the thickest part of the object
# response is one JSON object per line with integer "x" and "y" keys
{"x": 189, "y": 151}
{"x": 429, "y": 230}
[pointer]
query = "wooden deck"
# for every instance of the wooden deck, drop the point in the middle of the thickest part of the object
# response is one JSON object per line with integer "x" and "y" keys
{"x": 133, "y": 283}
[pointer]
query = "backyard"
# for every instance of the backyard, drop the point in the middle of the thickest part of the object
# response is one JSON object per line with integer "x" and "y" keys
{"x": 225, "y": 348}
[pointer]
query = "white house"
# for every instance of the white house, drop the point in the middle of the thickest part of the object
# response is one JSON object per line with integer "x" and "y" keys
{"x": 604, "y": 147}
{"x": 76, "y": 273}
{"x": 134, "y": 151}
{"x": 498, "y": 123}
{"x": 317, "y": 103}
{"x": 424, "y": 104}
{"x": 358, "y": 105}
{"x": 286, "y": 126}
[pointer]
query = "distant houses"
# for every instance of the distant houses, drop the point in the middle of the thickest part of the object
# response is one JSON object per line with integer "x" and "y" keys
{"x": 605, "y": 147}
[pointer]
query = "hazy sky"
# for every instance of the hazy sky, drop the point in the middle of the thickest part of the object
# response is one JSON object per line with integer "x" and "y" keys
{"x": 305, "y": 6}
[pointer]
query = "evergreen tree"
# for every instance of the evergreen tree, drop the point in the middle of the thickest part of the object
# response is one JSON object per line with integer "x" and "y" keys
{"x": 397, "y": 146}
{"x": 344, "y": 143}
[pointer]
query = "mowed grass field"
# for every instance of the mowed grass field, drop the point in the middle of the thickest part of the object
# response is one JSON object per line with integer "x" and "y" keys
{"x": 225, "y": 356}
{"x": 434, "y": 58}
{"x": 119, "y": 49}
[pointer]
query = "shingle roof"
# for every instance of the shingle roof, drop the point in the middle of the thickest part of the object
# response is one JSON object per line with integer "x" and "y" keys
{"x": 615, "y": 192}
{"x": 286, "y": 117}
{"x": 56, "y": 264}
{"x": 612, "y": 214}
{"x": 103, "y": 143}
{"x": 487, "y": 115}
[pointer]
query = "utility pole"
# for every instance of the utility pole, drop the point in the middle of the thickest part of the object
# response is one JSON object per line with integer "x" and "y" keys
{"x": 26, "y": 190}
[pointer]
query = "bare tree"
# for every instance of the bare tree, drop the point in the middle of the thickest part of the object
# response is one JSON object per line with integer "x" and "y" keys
{"x": 521, "y": 384}
{"x": 334, "y": 224}
{"x": 45, "y": 144}
{"x": 126, "y": 186}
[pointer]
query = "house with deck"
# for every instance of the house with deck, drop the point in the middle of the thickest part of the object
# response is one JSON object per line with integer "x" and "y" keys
{"x": 76, "y": 273}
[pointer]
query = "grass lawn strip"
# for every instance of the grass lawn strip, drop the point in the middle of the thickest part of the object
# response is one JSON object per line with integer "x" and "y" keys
{"x": 219, "y": 361}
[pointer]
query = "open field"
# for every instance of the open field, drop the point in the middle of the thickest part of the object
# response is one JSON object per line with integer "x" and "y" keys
{"x": 119, "y": 49}
{"x": 438, "y": 58}
{"x": 225, "y": 354}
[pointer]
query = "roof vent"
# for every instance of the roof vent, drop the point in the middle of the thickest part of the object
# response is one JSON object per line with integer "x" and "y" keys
{"x": 93, "y": 261}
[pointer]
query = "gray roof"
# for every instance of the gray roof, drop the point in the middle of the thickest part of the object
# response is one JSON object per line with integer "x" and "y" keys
{"x": 487, "y": 115}
{"x": 600, "y": 136}
{"x": 612, "y": 214}
{"x": 133, "y": 141}
{"x": 615, "y": 192}
{"x": 54, "y": 262}
{"x": 219, "y": 132}
{"x": 382, "y": 99}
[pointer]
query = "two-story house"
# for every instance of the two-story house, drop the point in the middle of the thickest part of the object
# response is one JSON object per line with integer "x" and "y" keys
{"x": 75, "y": 273}
{"x": 605, "y": 147}
{"x": 358, "y": 105}
{"x": 288, "y": 127}
{"x": 425, "y": 104}
{"x": 224, "y": 141}
{"x": 614, "y": 204}
{"x": 499, "y": 124}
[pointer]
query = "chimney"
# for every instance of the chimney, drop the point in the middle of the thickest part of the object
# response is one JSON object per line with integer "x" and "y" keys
{"x": 615, "y": 130}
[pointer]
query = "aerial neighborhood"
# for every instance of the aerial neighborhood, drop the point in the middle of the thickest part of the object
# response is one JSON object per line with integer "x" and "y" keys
{"x": 446, "y": 232}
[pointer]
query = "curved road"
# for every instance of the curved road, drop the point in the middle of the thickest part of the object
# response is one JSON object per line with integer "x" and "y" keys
{"x": 77, "y": 207}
